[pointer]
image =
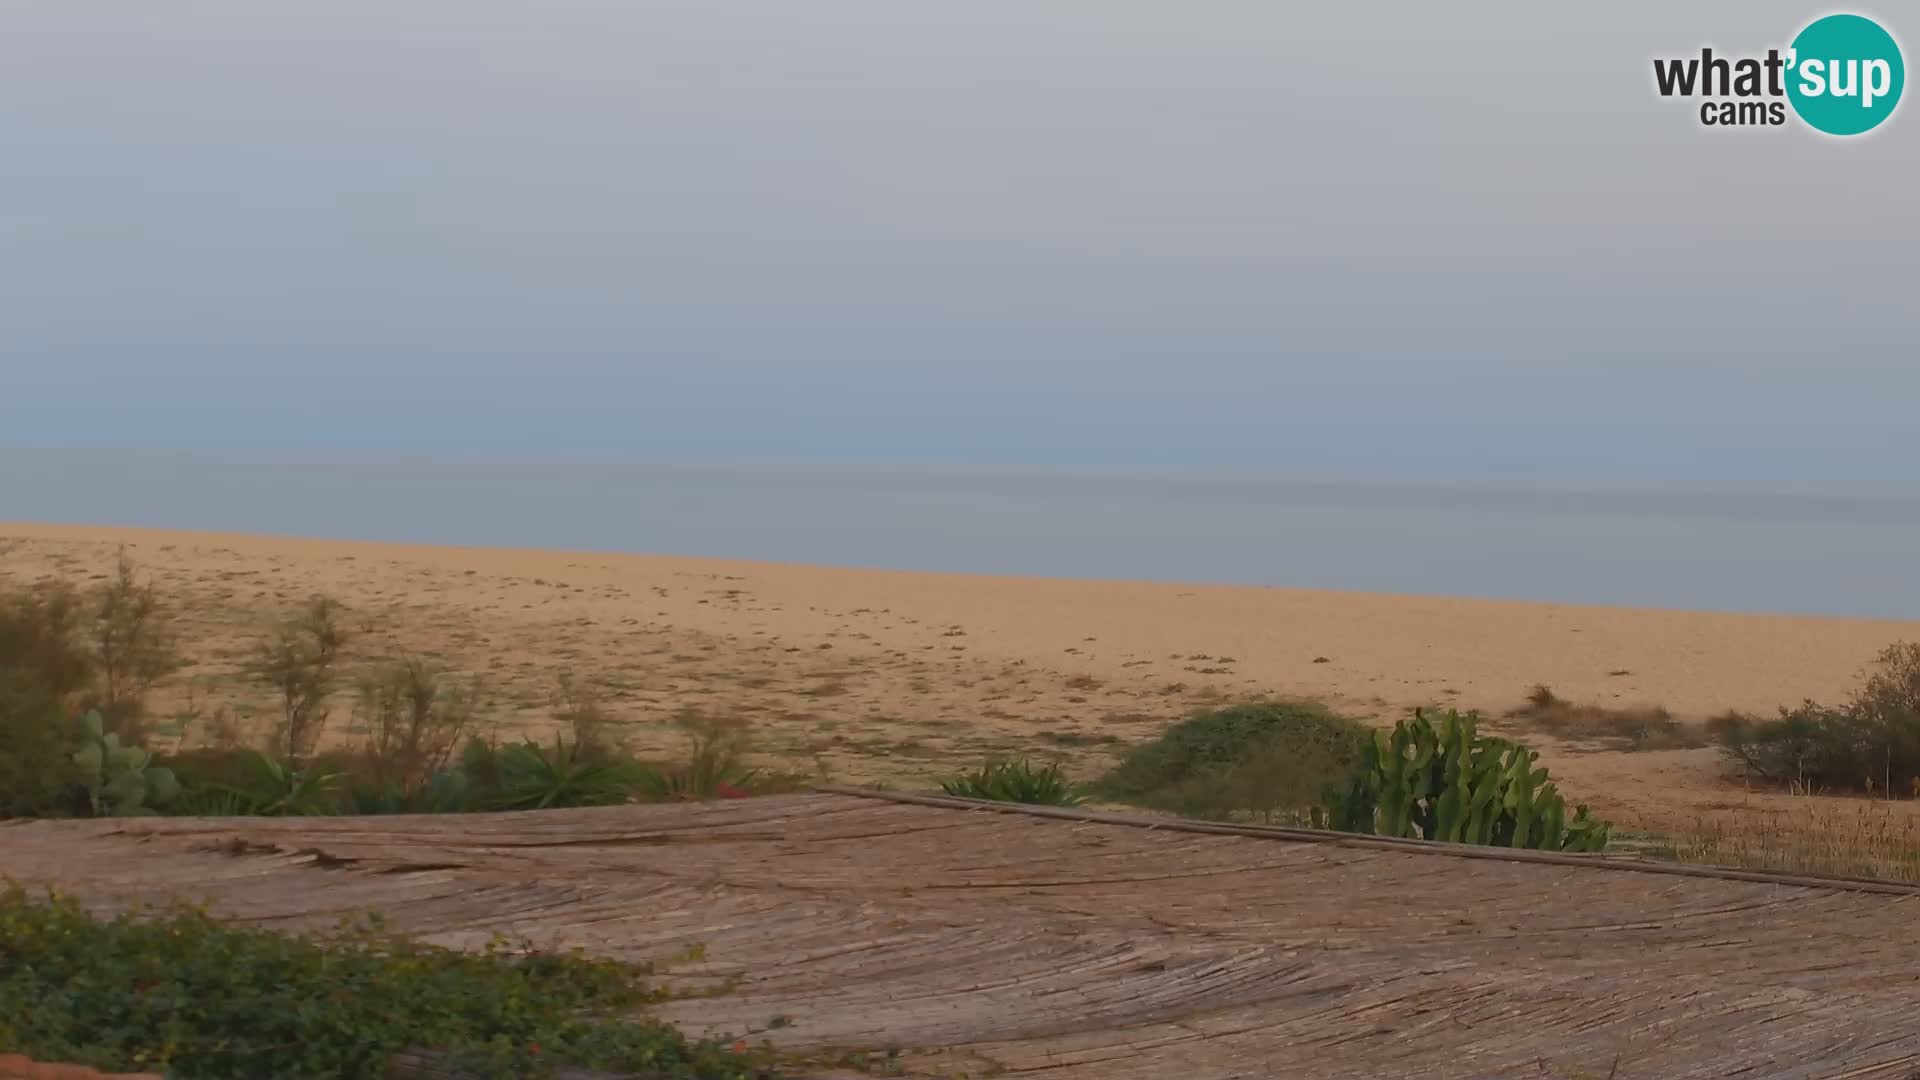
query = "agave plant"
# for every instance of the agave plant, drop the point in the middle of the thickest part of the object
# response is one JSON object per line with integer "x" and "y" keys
{"x": 533, "y": 777}
{"x": 1016, "y": 781}
{"x": 446, "y": 791}
{"x": 280, "y": 789}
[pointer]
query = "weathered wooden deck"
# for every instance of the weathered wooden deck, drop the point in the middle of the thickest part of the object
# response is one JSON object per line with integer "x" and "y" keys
{"x": 1092, "y": 950}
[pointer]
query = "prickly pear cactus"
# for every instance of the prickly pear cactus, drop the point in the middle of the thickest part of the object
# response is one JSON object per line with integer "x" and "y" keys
{"x": 120, "y": 780}
{"x": 1444, "y": 781}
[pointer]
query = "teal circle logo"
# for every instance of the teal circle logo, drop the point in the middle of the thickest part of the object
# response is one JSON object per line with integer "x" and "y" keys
{"x": 1846, "y": 74}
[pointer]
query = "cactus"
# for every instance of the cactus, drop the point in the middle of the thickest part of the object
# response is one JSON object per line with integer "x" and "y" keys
{"x": 1444, "y": 781}
{"x": 121, "y": 781}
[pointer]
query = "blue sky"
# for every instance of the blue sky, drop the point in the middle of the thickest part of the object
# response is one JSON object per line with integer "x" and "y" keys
{"x": 1392, "y": 238}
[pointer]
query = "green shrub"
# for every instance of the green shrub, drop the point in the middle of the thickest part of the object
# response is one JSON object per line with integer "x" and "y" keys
{"x": 446, "y": 791}
{"x": 176, "y": 991}
{"x": 1015, "y": 781}
{"x": 414, "y": 716}
{"x": 206, "y": 769}
{"x": 1871, "y": 743}
{"x": 38, "y": 776}
{"x": 1447, "y": 782}
{"x": 129, "y": 629}
{"x": 247, "y": 783}
{"x": 1270, "y": 760}
{"x": 42, "y": 654}
{"x": 45, "y": 672}
{"x": 715, "y": 766}
{"x": 534, "y": 777}
{"x": 297, "y": 662}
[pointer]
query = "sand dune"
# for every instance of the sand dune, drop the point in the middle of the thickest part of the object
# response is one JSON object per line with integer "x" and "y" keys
{"x": 899, "y": 676}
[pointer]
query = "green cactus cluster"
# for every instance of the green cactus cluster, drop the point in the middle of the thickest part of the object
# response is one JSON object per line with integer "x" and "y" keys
{"x": 1444, "y": 781}
{"x": 120, "y": 780}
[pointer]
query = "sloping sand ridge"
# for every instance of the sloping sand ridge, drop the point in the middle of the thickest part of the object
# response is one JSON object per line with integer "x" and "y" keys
{"x": 902, "y": 677}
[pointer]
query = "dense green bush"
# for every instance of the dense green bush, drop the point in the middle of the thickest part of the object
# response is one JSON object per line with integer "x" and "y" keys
{"x": 68, "y": 652}
{"x": 175, "y": 990}
{"x": 1015, "y": 781}
{"x": 1445, "y": 781}
{"x": 45, "y": 669}
{"x": 1870, "y": 743}
{"x": 1269, "y": 760}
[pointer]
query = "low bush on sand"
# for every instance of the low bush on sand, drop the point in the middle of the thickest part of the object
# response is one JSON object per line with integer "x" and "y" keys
{"x": 175, "y": 991}
{"x": 1869, "y": 743}
{"x": 1640, "y": 728}
{"x": 1263, "y": 760}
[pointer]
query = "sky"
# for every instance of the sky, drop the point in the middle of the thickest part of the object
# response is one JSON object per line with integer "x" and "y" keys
{"x": 1390, "y": 238}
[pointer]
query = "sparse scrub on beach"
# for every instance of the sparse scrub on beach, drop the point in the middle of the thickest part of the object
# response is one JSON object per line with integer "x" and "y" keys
{"x": 579, "y": 708}
{"x": 396, "y": 775}
{"x": 1639, "y": 728}
{"x": 298, "y": 661}
{"x": 715, "y": 765}
{"x": 1871, "y": 743}
{"x": 130, "y": 632}
{"x": 415, "y": 717}
{"x": 174, "y": 990}
{"x": 1265, "y": 760}
{"x": 1261, "y": 761}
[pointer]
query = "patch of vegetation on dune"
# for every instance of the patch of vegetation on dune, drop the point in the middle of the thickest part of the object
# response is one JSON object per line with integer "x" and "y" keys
{"x": 77, "y": 664}
{"x": 1018, "y": 781}
{"x": 1635, "y": 728}
{"x": 1260, "y": 760}
{"x": 1869, "y": 743}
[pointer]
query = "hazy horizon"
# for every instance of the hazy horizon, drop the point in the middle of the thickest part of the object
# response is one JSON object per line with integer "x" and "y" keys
{"x": 1822, "y": 554}
{"x": 1231, "y": 235}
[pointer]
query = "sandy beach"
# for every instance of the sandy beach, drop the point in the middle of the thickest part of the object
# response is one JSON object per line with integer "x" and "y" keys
{"x": 877, "y": 676}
